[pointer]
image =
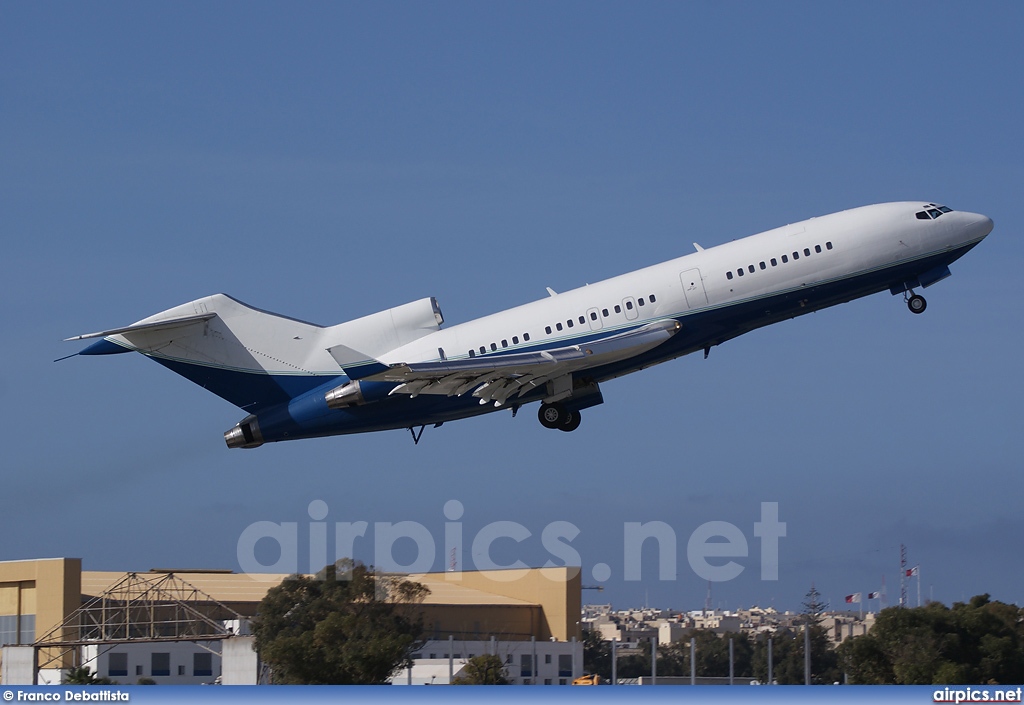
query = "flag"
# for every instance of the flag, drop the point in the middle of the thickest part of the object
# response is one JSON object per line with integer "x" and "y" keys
{"x": 874, "y": 595}
{"x": 914, "y": 572}
{"x": 855, "y": 597}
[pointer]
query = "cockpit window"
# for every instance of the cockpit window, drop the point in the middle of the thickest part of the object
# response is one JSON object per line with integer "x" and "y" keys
{"x": 932, "y": 211}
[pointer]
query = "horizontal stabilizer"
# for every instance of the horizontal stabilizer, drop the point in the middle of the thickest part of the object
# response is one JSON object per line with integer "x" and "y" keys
{"x": 155, "y": 325}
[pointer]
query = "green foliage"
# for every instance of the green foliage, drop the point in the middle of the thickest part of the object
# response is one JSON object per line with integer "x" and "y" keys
{"x": 712, "y": 655}
{"x": 487, "y": 669}
{"x": 979, "y": 642}
{"x": 597, "y": 655}
{"x": 348, "y": 625}
{"x": 84, "y": 676}
{"x": 145, "y": 681}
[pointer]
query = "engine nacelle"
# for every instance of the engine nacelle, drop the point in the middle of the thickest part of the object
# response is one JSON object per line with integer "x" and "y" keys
{"x": 357, "y": 393}
{"x": 245, "y": 434}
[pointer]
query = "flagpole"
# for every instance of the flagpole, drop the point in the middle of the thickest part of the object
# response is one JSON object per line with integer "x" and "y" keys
{"x": 918, "y": 585}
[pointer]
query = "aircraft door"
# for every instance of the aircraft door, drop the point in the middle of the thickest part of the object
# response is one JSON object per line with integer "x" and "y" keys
{"x": 629, "y": 306}
{"x": 594, "y": 319}
{"x": 693, "y": 288}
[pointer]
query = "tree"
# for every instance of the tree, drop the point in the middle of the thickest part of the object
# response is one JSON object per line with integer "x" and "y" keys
{"x": 348, "y": 625}
{"x": 487, "y": 669}
{"x": 83, "y": 675}
{"x": 712, "y": 655}
{"x": 597, "y": 654}
{"x": 976, "y": 642}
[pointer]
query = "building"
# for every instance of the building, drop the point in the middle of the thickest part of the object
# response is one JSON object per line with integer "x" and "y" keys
{"x": 47, "y": 605}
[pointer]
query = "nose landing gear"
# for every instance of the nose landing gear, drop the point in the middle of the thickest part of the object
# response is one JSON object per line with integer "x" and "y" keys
{"x": 557, "y": 416}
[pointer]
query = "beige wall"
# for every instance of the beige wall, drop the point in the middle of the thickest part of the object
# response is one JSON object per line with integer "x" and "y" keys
{"x": 51, "y": 589}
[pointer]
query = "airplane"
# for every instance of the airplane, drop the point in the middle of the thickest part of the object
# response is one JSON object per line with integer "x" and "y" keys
{"x": 400, "y": 369}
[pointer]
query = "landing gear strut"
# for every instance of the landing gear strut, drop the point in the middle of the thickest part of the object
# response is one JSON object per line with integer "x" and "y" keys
{"x": 557, "y": 416}
{"x": 916, "y": 303}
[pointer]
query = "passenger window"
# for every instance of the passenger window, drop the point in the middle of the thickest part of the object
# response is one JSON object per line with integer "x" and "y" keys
{"x": 482, "y": 350}
{"x": 640, "y": 301}
{"x": 796, "y": 256}
{"x": 728, "y": 275}
{"x": 740, "y": 272}
{"x": 547, "y": 329}
{"x": 515, "y": 340}
{"x": 817, "y": 248}
{"x": 582, "y": 320}
{"x": 785, "y": 259}
{"x": 593, "y": 315}
{"x": 569, "y": 323}
{"x": 774, "y": 262}
{"x": 504, "y": 343}
{"x": 763, "y": 265}
{"x": 558, "y": 326}
{"x": 618, "y": 309}
{"x": 472, "y": 354}
{"x": 828, "y": 245}
{"x": 807, "y": 252}
{"x": 629, "y": 305}
{"x": 651, "y": 297}
{"x": 751, "y": 268}
{"x": 526, "y": 337}
{"x": 494, "y": 346}
{"x": 604, "y": 312}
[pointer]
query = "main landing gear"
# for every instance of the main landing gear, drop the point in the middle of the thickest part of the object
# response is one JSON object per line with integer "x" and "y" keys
{"x": 916, "y": 303}
{"x": 557, "y": 416}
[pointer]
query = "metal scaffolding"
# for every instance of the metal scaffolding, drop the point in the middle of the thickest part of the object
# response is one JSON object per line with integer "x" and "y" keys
{"x": 146, "y": 607}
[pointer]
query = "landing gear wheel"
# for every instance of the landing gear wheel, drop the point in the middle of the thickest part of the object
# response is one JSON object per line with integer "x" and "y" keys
{"x": 572, "y": 423}
{"x": 917, "y": 304}
{"x": 553, "y": 415}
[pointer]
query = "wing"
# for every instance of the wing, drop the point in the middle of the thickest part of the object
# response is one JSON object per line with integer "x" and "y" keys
{"x": 496, "y": 378}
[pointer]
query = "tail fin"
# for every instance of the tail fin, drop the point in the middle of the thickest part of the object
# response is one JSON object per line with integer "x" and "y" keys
{"x": 255, "y": 359}
{"x": 249, "y": 357}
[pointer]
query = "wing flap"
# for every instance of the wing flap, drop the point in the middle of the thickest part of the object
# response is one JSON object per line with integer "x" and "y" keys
{"x": 499, "y": 377}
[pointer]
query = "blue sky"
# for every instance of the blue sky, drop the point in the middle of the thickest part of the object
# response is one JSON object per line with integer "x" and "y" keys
{"x": 334, "y": 159}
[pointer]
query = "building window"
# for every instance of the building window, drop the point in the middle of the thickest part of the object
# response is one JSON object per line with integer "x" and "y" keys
{"x": 181, "y": 670}
{"x": 525, "y": 665}
{"x": 118, "y": 664}
{"x": 138, "y": 670}
{"x": 562, "y": 681}
{"x": 202, "y": 664}
{"x": 160, "y": 664}
{"x": 508, "y": 659}
{"x": 547, "y": 658}
{"x": 565, "y": 665}
{"x": 547, "y": 681}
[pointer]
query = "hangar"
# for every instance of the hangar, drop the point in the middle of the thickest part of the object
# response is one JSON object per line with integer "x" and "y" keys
{"x": 191, "y": 626}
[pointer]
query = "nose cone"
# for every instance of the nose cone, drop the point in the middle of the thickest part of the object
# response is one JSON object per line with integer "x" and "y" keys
{"x": 980, "y": 225}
